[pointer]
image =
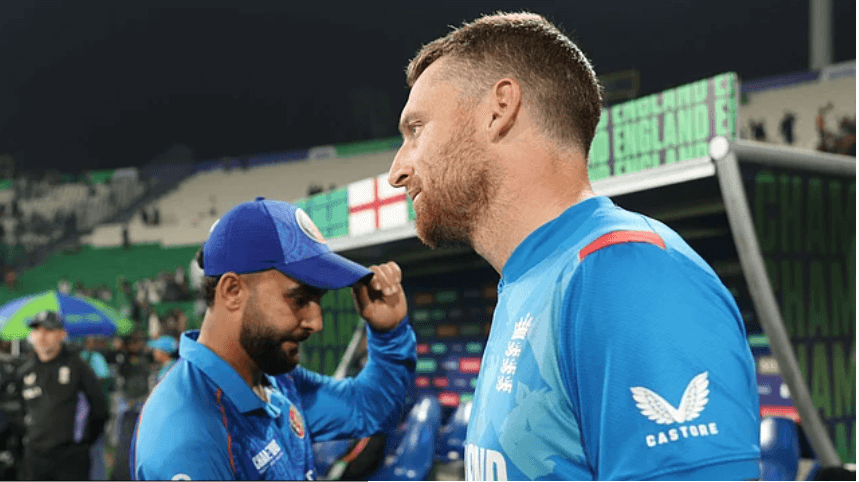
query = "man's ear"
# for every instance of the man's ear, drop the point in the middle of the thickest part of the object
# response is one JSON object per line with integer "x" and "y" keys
{"x": 505, "y": 99}
{"x": 231, "y": 291}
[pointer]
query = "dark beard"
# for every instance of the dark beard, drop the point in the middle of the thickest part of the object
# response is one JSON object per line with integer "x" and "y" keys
{"x": 461, "y": 194}
{"x": 263, "y": 343}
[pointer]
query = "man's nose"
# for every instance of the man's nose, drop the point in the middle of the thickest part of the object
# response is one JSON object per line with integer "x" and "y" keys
{"x": 401, "y": 169}
{"x": 312, "y": 319}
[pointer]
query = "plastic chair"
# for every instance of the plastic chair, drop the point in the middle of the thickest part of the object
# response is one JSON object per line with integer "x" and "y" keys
{"x": 779, "y": 449}
{"x": 326, "y": 453}
{"x": 450, "y": 445}
{"x": 413, "y": 458}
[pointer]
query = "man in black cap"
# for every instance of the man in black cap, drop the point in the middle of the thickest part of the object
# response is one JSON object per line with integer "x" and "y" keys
{"x": 64, "y": 406}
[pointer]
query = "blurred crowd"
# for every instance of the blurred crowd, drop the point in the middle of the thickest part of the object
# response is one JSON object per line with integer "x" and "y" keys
{"x": 128, "y": 367}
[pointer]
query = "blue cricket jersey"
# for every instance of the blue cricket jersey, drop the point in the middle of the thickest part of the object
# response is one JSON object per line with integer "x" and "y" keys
{"x": 203, "y": 421}
{"x": 615, "y": 353}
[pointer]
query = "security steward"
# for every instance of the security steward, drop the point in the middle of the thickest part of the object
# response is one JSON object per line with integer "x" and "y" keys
{"x": 64, "y": 406}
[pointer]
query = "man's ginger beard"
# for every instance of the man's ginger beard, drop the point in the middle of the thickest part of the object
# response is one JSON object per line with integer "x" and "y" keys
{"x": 462, "y": 183}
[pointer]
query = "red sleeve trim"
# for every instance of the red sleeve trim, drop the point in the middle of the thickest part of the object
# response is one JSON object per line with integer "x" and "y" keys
{"x": 620, "y": 237}
{"x": 229, "y": 438}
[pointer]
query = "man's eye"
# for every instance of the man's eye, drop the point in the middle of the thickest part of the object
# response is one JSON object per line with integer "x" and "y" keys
{"x": 414, "y": 129}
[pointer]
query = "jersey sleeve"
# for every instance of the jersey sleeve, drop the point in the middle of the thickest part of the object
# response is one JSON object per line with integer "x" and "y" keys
{"x": 658, "y": 368}
{"x": 186, "y": 453}
{"x": 370, "y": 402}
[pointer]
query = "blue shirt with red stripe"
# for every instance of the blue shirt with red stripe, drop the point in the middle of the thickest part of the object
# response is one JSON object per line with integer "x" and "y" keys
{"x": 203, "y": 421}
{"x": 615, "y": 353}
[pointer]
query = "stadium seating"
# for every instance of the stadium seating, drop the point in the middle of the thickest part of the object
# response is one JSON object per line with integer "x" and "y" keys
{"x": 188, "y": 211}
{"x": 451, "y": 437}
{"x": 779, "y": 449}
{"x": 413, "y": 458}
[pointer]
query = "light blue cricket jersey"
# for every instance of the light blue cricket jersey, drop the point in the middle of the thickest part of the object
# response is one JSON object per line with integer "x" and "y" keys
{"x": 203, "y": 421}
{"x": 615, "y": 353}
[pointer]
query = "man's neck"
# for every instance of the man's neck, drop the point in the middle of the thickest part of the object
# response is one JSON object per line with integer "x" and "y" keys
{"x": 519, "y": 212}
{"x": 224, "y": 344}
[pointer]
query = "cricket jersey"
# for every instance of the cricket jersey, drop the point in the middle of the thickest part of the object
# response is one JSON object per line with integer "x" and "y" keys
{"x": 203, "y": 421}
{"x": 615, "y": 353}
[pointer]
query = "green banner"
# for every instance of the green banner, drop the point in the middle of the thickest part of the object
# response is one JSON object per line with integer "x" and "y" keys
{"x": 806, "y": 227}
{"x": 368, "y": 147}
{"x": 666, "y": 128}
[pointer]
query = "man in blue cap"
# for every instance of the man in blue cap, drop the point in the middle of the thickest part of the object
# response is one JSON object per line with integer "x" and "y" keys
{"x": 237, "y": 405}
{"x": 164, "y": 349}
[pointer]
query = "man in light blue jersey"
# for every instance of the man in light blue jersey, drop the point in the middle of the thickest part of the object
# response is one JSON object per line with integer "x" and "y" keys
{"x": 615, "y": 350}
{"x": 236, "y": 405}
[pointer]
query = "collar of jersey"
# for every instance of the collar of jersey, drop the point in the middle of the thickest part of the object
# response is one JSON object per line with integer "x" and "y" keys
{"x": 544, "y": 240}
{"x": 227, "y": 379}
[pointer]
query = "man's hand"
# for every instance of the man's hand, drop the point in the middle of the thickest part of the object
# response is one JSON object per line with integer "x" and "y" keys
{"x": 381, "y": 300}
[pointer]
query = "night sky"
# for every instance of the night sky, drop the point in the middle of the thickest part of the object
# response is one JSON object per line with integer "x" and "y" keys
{"x": 95, "y": 84}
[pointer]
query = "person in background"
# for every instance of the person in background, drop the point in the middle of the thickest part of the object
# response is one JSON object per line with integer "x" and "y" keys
{"x": 64, "y": 406}
{"x": 134, "y": 369}
{"x": 99, "y": 365}
{"x": 164, "y": 351}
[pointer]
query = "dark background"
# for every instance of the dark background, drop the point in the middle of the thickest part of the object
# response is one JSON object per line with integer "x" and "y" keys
{"x": 101, "y": 84}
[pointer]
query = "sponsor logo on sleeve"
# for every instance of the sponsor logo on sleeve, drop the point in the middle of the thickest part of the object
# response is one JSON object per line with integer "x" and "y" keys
{"x": 659, "y": 410}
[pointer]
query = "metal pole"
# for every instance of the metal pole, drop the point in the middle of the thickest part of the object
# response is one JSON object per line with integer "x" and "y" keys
{"x": 760, "y": 289}
{"x": 820, "y": 37}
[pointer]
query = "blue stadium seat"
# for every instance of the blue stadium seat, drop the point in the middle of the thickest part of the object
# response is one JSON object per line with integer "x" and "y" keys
{"x": 451, "y": 437}
{"x": 779, "y": 449}
{"x": 413, "y": 458}
{"x": 326, "y": 453}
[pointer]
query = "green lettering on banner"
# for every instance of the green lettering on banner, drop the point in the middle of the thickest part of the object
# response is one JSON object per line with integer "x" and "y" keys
{"x": 603, "y": 123}
{"x": 599, "y": 171}
{"x": 687, "y": 152}
{"x": 685, "y": 125}
{"x": 721, "y": 85}
{"x": 669, "y": 130}
{"x": 818, "y": 314}
{"x": 642, "y": 141}
{"x": 617, "y": 115}
{"x": 684, "y": 95}
{"x": 843, "y": 293}
{"x": 802, "y": 361}
{"x": 765, "y": 226}
{"x": 619, "y": 146}
{"x": 644, "y": 107}
{"x": 650, "y": 160}
{"x": 329, "y": 338}
{"x": 670, "y": 156}
{"x": 772, "y": 273}
{"x": 791, "y": 213}
{"x": 313, "y": 362}
{"x": 844, "y": 382}
{"x": 701, "y": 114}
{"x": 329, "y": 362}
{"x": 628, "y": 111}
{"x": 723, "y": 126}
{"x": 846, "y": 446}
{"x": 669, "y": 101}
{"x": 843, "y": 217}
{"x": 699, "y": 91}
{"x": 816, "y": 243}
{"x": 653, "y": 130}
{"x": 599, "y": 148}
{"x": 821, "y": 395}
{"x": 793, "y": 297}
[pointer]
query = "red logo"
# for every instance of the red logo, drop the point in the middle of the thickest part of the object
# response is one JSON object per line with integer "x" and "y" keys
{"x": 469, "y": 365}
{"x": 296, "y": 421}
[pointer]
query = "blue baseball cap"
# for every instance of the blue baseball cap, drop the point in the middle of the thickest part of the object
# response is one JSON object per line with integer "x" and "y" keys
{"x": 264, "y": 234}
{"x": 165, "y": 343}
